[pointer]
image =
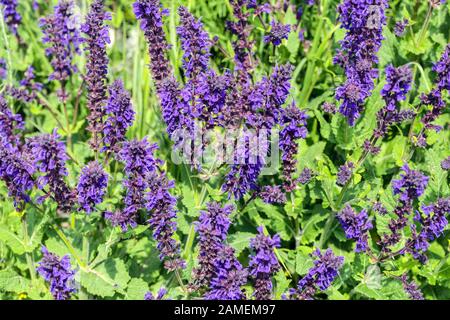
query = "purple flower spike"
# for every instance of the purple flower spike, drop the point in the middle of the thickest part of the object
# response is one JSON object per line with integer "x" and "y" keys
{"x": 49, "y": 156}
{"x": 3, "y": 69}
{"x": 263, "y": 264}
{"x": 12, "y": 18}
{"x": 320, "y": 276}
{"x": 150, "y": 13}
{"x": 229, "y": 277}
{"x": 400, "y": 26}
{"x": 58, "y": 272}
{"x": 63, "y": 36}
{"x": 411, "y": 184}
{"x": 212, "y": 228}
{"x": 345, "y": 173}
{"x": 445, "y": 164}
{"x": 92, "y": 186}
{"x": 16, "y": 171}
{"x": 162, "y": 207}
{"x": 294, "y": 128}
{"x": 356, "y": 226}
{"x": 277, "y": 33}
{"x": 120, "y": 116}
{"x": 96, "y": 38}
{"x": 363, "y": 20}
{"x": 10, "y": 125}
{"x": 194, "y": 42}
{"x": 273, "y": 195}
{"x": 411, "y": 288}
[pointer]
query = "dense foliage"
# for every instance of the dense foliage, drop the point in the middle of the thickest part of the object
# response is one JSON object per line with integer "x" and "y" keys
{"x": 347, "y": 196}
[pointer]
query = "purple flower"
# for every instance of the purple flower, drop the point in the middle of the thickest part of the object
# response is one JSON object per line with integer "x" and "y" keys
{"x": 49, "y": 157}
{"x": 212, "y": 92}
{"x": 243, "y": 46}
{"x": 10, "y": 15}
{"x": 229, "y": 277}
{"x": 356, "y": 226}
{"x": 305, "y": 176}
{"x": 329, "y": 107}
{"x": 399, "y": 28}
{"x": 273, "y": 194}
{"x": 398, "y": 84}
{"x": 161, "y": 293}
{"x": 62, "y": 34}
{"x": 278, "y": 32}
{"x": 345, "y": 173}
{"x": 320, "y": 276}
{"x": 442, "y": 69}
{"x": 175, "y": 109}
{"x": 137, "y": 156}
{"x": 194, "y": 42}
{"x": 433, "y": 223}
{"x": 28, "y": 86}
{"x": 16, "y": 171}
{"x": 58, "y": 273}
{"x": 120, "y": 116}
{"x": 363, "y": 21}
{"x": 3, "y": 69}
{"x": 10, "y": 123}
{"x": 96, "y": 38}
{"x": 445, "y": 164}
{"x": 212, "y": 228}
{"x": 411, "y": 184}
{"x": 411, "y": 288}
{"x": 294, "y": 128}
{"x": 379, "y": 208}
{"x": 263, "y": 264}
{"x": 162, "y": 207}
{"x": 150, "y": 13}
{"x": 122, "y": 218}
{"x": 92, "y": 186}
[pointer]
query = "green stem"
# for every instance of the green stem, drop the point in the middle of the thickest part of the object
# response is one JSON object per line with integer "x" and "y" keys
{"x": 28, "y": 256}
{"x": 69, "y": 247}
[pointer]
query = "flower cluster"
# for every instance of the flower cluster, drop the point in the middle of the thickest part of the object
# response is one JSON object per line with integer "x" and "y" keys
{"x": 445, "y": 164}
{"x": 91, "y": 186}
{"x": 16, "y": 171}
{"x": 434, "y": 99}
{"x": 273, "y": 195}
{"x": 10, "y": 14}
{"x": 398, "y": 84}
{"x": 229, "y": 277}
{"x": 411, "y": 288}
{"x": 150, "y": 13}
{"x": 162, "y": 207}
{"x": 432, "y": 223}
{"x": 411, "y": 185}
{"x": 320, "y": 276}
{"x": 96, "y": 38}
{"x": 161, "y": 293}
{"x": 212, "y": 228}
{"x": 400, "y": 26}
{"x": 278, "y": 32}
{"x": 49, "y": 157}
{"x": 345, "y": 173}
{"x": 58, "y": 272}
{"x": 10, "y": 123}
{"x": 356, "y": 226}
{"x": 62, "y": 34}
{"x": 120, "y": 116}
{"x": 294, "y": 128}
{"x": 263, "y": 264}
{"x": 363, "y": 21}
{"x": 195, "y": 44}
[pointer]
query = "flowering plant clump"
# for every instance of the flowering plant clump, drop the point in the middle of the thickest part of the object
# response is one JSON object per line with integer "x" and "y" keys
{"x": 224, "y": 150}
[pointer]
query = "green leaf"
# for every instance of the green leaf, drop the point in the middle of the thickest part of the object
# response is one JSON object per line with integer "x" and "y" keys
{"x": 136, "y": 289}
{"x": 303, "y": 263}
{"x": 367, "y": 292}
{"x": 240, "y": 241}
{"x": 106, "y": 279}
{"x": 281, "y": 284}
{"x": 12, "y": 282}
